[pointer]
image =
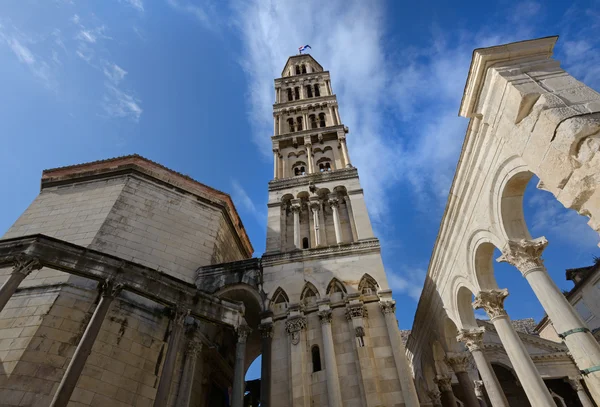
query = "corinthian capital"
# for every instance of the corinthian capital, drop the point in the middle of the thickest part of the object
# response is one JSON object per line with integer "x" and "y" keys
{"x": 295, "y": 208}
{"x": 525, "y": 255}
{"x": 434, "y": 396}
{"x": 443, "y": 382}
{"x": 458, "y": 362}
{"x": 24, "y": 264}
{"x": 492, "y": 301}
{"x": 293, "y": 326}
{"x": 334, "y": 202}
{"x": 388, "y": 307}
{"x": 243, "y": 331}
{"x": 325, "y": 316}
{"x": 472, "y": 338}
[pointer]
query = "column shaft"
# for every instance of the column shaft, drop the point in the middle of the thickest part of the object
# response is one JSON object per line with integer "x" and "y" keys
{"x": 187, "y": 376}
{"x": 332, "y": 116}
{"x": 296, "y": 211}
{"x": 280, "y": 117}
{"x": 402, "y": 367}
{"x": 351, "y": 218}
{"x": 315, "y": 212}
{"x": 23, "y": 265}
{"x": 309, "y": 159}
{"x": 337, "y": 114}
{"x": 467, "y": 389}
{"x": 265, "y": 364}
{"x": 84, "y": 348}
{"x": 490, "y": 381}
{"x": 275, "y": 164}
{"x": 334, "y": 394}
{"x": 237, "y": 396}
{"x": 166, "y": 374}
{"x": 336, "y": 220}
{"x": 347, "y": 162}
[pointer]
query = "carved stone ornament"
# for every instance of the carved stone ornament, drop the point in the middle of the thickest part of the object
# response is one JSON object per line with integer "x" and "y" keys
{"x": 325, "y": 316}
{"x": 243, "y": 331}
{"x": 492, "y": 301}
{"x": 525, "y": 255}
{"x": 443, "y": 382}
{"x": 388, "y": 307}
{"x": 24, "y": 264}
{"x": 458, "y": 362}
{"x": 359, "y": 331}
{"x": 295, "y": 208}
{"x": 575, "y": 382}
{"x": 472, "y": 338}
{"x": 435, "y": 396}
{"x": 266, "y": 330}
{"x": 110, "y": 288}
{"x": 334, "y": 202}
{"x": 479, "y": 388}
{"x": 356, "y": 311}
{"x": 294, "y": 326}
{"x": 180, "y": 314}
{"x": 193, "y": 347}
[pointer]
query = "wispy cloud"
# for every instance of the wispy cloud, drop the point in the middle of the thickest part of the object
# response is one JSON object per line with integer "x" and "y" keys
{"x": 117, "y": 103}
{"x": 408, "y": 280}
{"x": 241, "y": 199}
{"x": 114, "y": 73}
{"x": 204, "y": 15}
{"x": 137, "y": 4}
{"x": 87, "y": 38}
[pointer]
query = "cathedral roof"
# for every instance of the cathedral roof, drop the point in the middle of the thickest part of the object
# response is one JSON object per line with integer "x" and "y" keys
{"x": 135, "y": 162}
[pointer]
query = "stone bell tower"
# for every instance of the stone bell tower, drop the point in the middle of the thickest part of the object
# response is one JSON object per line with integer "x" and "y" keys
{"x": 330, "y": 335}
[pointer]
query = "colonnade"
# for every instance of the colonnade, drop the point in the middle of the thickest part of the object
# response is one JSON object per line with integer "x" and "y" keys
{"x": 331, "y": 119}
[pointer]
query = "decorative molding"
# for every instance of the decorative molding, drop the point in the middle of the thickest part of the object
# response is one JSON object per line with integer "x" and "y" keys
{"x": 293, "y": 326}
{"x": 356, "y": 311}
{"x": 479, "y": 388}
{"x": 388, "y": 307}
{"x": 193, "y": 348}
{"x": 370, "y": 245}
{"x": 24, "y": 264}
{"x": 492, "y": 301}
{"x": 443, "y": 382}
{"x": 525, "y": 255}
{"x": 359, "y": 331}
{"x": 575, "y": 383}
{"x": 302, "y": 180}
{"x": 458, "y": 362}
{"x": 243, "y": 332}
{"x": 435, "y": 396}
{"x": 472, "y": 338}
{"x": 266, "y": 330}
{"x": 325, "y": 316}
{"x": 179, "y": 315}
{"x": 110, "y": 288}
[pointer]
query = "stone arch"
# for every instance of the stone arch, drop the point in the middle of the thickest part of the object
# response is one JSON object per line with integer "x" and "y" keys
{"x": 464, "y": 308}
{"x": 450, "y": 331}
{"x": 510, "y": 205}
{"x": 474, "y": 257}
{"x": 336, "y": 290}
{"x": 438, "y": 358}
{"x": 309, "y": 294}
{"x": 368, "y": 283}
{"x": 279, "y": 300}
{"x": 484, "y": 266}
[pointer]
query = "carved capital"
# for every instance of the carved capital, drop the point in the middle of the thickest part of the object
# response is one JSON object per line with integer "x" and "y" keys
{"x": 295, "y": 208}
{"x": 458, "y": 362}
{"x": 334, "y": 203}
{"x": 315, "y": 206}
{"x": 24, "y": 264}
{"x": 325, "y": 316}
{"x": 472, "y": 338}
{"x": 388, "y": 307}
{"x": 356, "y": 311}
{"x": 575, "y": 382}
{"x": 435, "y": 396}
{"x": 110, "y": 288}
{"x": 525, "y": 255}
{"x": 443, "y": 382}
{"x": 193, "y": 348}
{"x": 266, "y": 330}
{"x": 492, "y": 301}
{"x": 293, "y": 326}
{"x": 243, "y": 332}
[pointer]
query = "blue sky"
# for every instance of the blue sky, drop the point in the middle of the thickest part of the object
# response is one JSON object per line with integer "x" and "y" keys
{"x": 190, "y": 85}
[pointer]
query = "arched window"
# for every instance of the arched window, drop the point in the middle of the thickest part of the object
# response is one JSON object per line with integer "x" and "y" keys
{"x": 309, "y": 91}
{"x": 305, "y": 243}
{"x": 325, "y": 166}
{"x": 336, "y": 286}
{"x": 303, "y": 68}
{"x": 309, "y": 293}
{"x": 317, "y": 91}
{"x": 313, "y": 121}
{"x": 297, "y": 92}
{"x": 367, "y": 285}
{"x": 316, "y": 359}
{"x": 279, "y": 301}
{"x": 299, "y": 168}
{"x": 290, "y": 95}
{"x": 299, "y": 123}
{"x": 297, "y": 70}
{"x": 322, "y": 120}
{"x": 291, "y": 124}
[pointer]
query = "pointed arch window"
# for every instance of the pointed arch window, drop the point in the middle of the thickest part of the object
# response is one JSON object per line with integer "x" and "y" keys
{"x": 367, "y": 285}
{"x": 305, "y": 243}
{"x": 336, "y": 286}
{"x": 316, "y": 358}
{"x": 309, "y": 294}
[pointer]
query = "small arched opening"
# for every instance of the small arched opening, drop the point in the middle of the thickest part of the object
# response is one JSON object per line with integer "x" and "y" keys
{"x": 309, "y": 92}
{"x": 290, "y": 95}
{"x": 297, "y": 92}
{"x": 297, "y": 70}
{"x": 317, "y": 90}
{"x": 291, "y": 125}
{"x": 299, "y": 123}
{"x": 316, "y": 358}
{"x": 303, "y": 68}
{"x": 305, "y": 244}
{"x": 322, "y": 121}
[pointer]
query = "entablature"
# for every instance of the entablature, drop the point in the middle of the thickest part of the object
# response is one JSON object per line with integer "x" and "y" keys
{"x": 313, "y": 133}
{"x": 301, "y": 180}
{"x": 305, "y": 104}
{"x": 286, "y": 80}
{"x": 350, "y": 249}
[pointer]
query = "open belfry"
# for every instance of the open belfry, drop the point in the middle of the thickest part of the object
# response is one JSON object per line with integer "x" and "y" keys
{"x": 125, "y": 283}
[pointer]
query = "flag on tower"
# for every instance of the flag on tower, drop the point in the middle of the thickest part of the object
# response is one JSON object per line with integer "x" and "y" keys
{"x": 300, "y": 49}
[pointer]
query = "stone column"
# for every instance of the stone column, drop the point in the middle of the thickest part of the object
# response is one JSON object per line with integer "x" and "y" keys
{"x": 337, "y": 114}
{"x": 238, "y": 388}
{"x": 275, "y": 127}
{"x": 166, "y": 375}
{"x": 351, "y": 218}
{"x": 280, "y": 117}
{"x": 444, "y": 383}
{"x": 399, "y": 352}
{"x": 333, "y": 121}
{"x": 187, "y": 376}
{"x": 334, "y": 203}
{"x": 299, "y": 386}
{"x": 322, "y": 222}
{"x": 309, "y": 157}
{"x": 492, "y": 301}
{"x": 459, "y": 362}
{"x": 275, "y": 163}
{"x": 575, "y": 383}
{"x": 525, "y": 255}
{"x": 436, "y": 397}
{"x": 22, "y": 266}
{"x": 314, "y": 206}
{"x": 479, "y": 393}
{"x": 266, "y": 333}
{"x": 342, "y": 140}
{"x": 109, "y": 290}
{"x": 334, "y": 394}
{"x": 329, "y": 87}
{"x": 473, "y": 340}
{"x": 356, "y": 313}
{"x": 295, "y": 207}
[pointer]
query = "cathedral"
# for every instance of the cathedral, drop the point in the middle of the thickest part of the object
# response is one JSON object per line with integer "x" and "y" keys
{"x": 126, "y": 283}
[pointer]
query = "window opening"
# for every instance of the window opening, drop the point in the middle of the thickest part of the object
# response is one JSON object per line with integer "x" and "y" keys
{"x": 321, "y": 119}
{"x": 290, "y": 95}
{"x": 317, "y": 90}
{"x": 297, "y": 93}
{"x": 305, "y": 243}
{"x": 313, "y": 121}
{"x": 299, "y": 123}
{"x": 291, "y": 124}
{"x": 297, "y": 70}
{"x": 309, "y": 91}
{"x": 303, "y": 68}
{"x": 316, "y": 359}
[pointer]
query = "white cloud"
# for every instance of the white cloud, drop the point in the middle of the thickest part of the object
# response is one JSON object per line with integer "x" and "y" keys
{"x": 204, "y": 14}
{"x": 117, "y": 103}
{"x": 36, "y": 64}
{"x": 137, "y": 4}
{"x": 114, "y": 73}
{"x": 409, "y": 281}
{"x": 242, "y": 200}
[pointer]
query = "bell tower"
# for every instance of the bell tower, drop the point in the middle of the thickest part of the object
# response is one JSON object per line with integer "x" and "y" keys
{"x": 331, "y": 314}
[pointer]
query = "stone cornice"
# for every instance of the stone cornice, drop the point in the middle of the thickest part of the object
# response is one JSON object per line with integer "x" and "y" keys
{"x": 309, "y": 132}
{"x": 304, "y": 103}
{"x": 364, "y": 246}
{"x": 337, "y": 175}
{"x": 301, "y": 77}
